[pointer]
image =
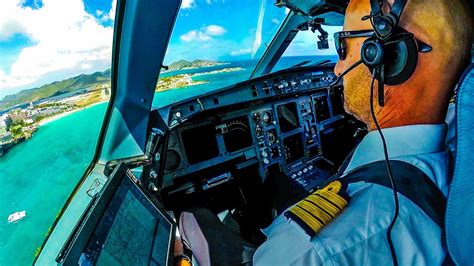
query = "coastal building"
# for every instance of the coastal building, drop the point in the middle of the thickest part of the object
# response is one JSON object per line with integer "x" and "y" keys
{"x": 31, "y": 114}
{"x": 5, "y": 121}
{"x": 18, "y": 115}
{"x": 5, "y": 136}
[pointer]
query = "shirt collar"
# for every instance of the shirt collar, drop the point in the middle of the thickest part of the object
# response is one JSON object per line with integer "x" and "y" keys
{"x": 401, "y": 141}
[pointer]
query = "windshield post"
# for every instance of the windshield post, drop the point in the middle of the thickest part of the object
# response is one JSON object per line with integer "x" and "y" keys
{"x": 278, "y": 45}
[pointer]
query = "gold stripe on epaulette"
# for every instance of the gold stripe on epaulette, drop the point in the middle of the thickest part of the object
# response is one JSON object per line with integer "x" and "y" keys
{"x": 319, "y": 208}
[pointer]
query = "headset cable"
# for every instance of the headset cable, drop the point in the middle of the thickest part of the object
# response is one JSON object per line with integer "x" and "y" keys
{"x": 389, "y": 171}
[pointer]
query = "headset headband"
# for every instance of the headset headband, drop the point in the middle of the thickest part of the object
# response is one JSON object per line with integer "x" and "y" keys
{"x": 392, "y": 18}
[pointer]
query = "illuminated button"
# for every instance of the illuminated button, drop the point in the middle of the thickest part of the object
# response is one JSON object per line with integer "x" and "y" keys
{"x": 266, "y": 161}
{"x": 264, "y": 154}
{"x": 305, "y": 170}
{"x": 177, "y": 115}
{"x": 300, "y": 173}
{"x": 310, "y": 167}
{"x": 293, "y": 176}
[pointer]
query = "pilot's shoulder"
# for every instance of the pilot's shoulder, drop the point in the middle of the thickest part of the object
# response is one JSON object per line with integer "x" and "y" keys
{"x": 360, "y": 229}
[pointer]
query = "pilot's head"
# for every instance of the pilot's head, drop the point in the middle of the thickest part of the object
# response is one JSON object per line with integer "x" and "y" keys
{"x": 446, "y": 25}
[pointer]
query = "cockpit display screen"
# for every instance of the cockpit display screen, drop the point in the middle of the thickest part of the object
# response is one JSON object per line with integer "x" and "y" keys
{"x": 132, "y": 231}
{"x": 288, "y": 117}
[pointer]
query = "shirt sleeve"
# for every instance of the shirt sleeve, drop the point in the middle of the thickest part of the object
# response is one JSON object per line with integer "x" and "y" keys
{"x": 286, "y": 245}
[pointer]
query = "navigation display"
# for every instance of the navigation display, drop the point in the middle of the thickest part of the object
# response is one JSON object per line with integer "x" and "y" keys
{"x": 288, "y": 117}
{"x": 132, "y": 231}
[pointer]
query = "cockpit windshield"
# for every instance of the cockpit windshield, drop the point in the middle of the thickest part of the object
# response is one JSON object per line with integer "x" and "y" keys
{"x": 215, "y": 43}
{"x": 303, "y": 50}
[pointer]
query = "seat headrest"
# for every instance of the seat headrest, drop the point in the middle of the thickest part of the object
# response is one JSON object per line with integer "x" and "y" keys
{"x": 460, "y": 209}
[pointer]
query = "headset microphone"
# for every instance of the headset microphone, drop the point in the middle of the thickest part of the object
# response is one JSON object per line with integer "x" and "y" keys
{"x": 345, "y": 72}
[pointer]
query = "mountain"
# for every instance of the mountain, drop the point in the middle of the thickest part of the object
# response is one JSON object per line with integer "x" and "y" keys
{"x": 83, "y": 81}
{"x": 184, "y": 64}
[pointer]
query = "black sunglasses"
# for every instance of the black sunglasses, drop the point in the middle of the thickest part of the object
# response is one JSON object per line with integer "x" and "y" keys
{"x": 341, "y": 45}
{"x": 341, "y": 35}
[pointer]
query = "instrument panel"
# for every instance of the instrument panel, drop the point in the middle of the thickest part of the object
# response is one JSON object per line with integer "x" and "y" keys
{"x": 280, "y": 123}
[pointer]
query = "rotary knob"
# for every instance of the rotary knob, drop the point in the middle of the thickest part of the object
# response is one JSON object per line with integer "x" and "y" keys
{"x": 267, "y": 118}
{"x": 256, "y": 117}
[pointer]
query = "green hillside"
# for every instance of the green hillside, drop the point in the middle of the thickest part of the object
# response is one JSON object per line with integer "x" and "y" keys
{"x": 80, "y": 82}
{"x": 184, "y": 64}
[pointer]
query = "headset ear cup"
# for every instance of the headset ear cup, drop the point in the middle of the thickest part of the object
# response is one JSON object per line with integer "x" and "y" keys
{"x": 372, "y": 52}
{"x": 401, "y": 59}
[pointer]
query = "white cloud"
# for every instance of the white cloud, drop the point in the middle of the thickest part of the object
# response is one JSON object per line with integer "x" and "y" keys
{"x": 112, "y": 10}
{"x": 66, "y": 39}
{"x": 241, "y": 52}
{"x": 209, "y": 2}
{"x": 214, "y": 30}
{"x": 195, "y": 35}
{"x": 188, "y": 4}
{"x": 203, "y": 34}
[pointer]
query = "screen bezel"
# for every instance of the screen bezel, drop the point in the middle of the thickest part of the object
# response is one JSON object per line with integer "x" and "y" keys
{"x": 77, "y": 242}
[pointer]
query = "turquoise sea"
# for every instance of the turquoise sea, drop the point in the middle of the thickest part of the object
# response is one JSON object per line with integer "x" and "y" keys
{"x": 39, "y": 174}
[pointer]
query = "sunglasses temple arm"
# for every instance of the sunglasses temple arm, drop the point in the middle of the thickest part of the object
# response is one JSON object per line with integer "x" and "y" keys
{"x": 423, "y": 47}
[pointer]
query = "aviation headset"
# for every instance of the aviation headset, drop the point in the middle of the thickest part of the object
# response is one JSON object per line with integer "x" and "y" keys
{"x": 392, "y": 51}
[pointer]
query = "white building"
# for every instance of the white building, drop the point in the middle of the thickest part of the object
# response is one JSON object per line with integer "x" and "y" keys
{"x": 5, "y": 136}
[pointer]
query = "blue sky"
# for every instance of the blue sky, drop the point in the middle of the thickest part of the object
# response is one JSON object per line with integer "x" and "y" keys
{"x": 42, "y": 41}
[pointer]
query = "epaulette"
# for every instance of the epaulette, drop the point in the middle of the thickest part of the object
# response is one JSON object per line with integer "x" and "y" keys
{"x": 319, "y": 208}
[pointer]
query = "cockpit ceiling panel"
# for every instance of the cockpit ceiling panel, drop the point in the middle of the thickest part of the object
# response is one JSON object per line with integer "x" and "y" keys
{"x": 332, "y": 18}
{"x": 302, "y": 5}
{"x": 311, "y": 7}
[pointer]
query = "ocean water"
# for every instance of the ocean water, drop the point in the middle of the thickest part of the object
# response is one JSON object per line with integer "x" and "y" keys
{"x": 39, "y": 174}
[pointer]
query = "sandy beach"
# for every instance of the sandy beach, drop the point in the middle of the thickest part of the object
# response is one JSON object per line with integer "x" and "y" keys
{"x": 56, "y": 117}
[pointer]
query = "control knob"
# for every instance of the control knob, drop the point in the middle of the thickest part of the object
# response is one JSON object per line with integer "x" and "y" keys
{"x": 266, "y": 117}
{"x": 256, "y": 117}
{"x": 259, "y": 130}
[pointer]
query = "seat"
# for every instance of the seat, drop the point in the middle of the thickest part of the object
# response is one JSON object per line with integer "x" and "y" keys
{"x": 460, "y": 209}
{"x": 212, "y": 242}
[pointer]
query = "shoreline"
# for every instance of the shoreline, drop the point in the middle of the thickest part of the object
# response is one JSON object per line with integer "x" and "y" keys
{"x": 61, "y": 115}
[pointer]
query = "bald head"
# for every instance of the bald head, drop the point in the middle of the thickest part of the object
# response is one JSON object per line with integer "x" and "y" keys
{"x": 446, "y": 25}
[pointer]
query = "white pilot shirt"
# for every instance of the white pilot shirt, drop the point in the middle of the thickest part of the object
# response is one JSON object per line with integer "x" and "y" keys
{"x": 358, "y": 235}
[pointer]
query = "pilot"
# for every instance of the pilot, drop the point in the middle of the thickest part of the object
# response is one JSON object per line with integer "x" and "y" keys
{"x": 412, "y": 121}
{"x": 358, "y": 225}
